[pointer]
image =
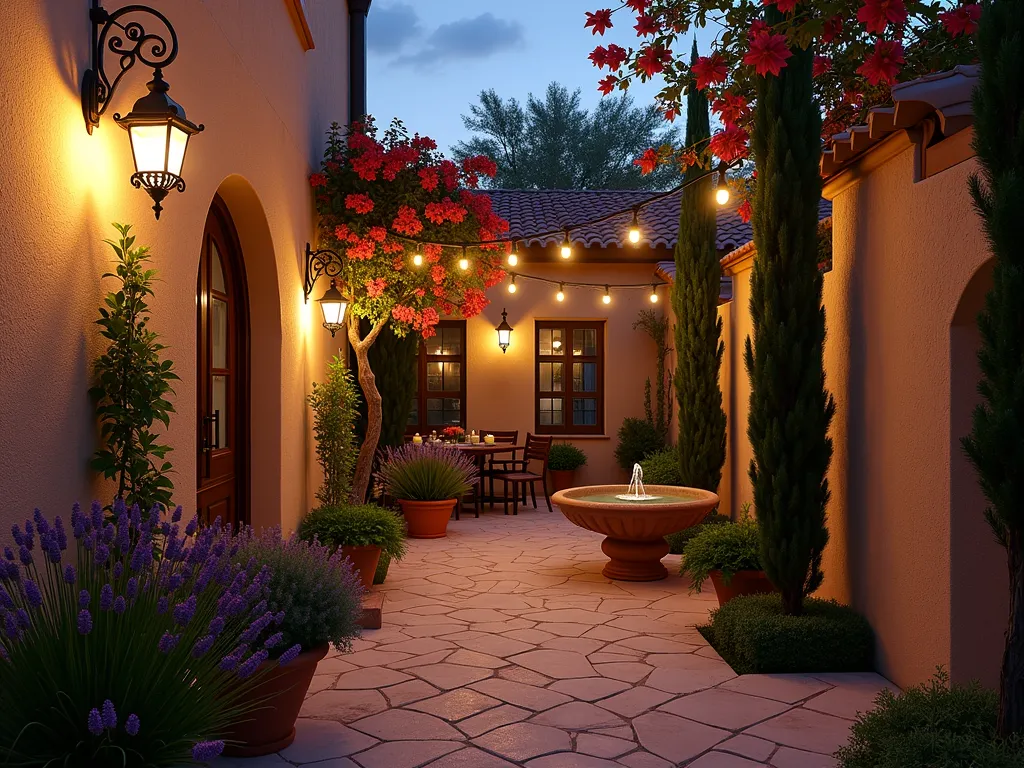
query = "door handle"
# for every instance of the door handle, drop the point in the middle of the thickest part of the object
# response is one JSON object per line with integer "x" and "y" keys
{"x": 211, "y": 440}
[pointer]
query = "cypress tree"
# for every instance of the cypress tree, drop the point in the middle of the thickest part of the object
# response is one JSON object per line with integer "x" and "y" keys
{"x": 996, "y": 443}
{"x": 393, "y": 361}
{"x": 790, "y": 408}
{"x": 698, "y": 328}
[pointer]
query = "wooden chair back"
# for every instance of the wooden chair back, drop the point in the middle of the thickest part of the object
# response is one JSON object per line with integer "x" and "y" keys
{"x": 537, "y": 449}
{"x": 503, "y": 436}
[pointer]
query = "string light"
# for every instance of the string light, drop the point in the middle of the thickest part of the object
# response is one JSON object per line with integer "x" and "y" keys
{"x": 560, "y": 296}
{"x": 463, "y": 262}
{"x": 607, "y": 298}
{"x": 654, "y": 294}
{"x": 417, "y": 258}
{"x": 634, "y": 229}
{"x": 566, "y": 250}
{"x": 513, "y": 258}
{"x": 722, "y": 192}
{"x": 512, "y": 285}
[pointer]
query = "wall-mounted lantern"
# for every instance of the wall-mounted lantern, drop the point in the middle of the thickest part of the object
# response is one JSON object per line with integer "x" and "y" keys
{"x": 504, "y": 332}
{"x": 333, "y": 303}
{"x": 157, "y": 127}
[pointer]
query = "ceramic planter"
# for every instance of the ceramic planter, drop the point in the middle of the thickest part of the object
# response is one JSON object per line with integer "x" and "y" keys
{"x": 741, "y": 583}
{"x": 427, "y": 519}
{"x": 562, "y": 479}
{"x": 364, "y": 559}
{"x": 271, "y": 727}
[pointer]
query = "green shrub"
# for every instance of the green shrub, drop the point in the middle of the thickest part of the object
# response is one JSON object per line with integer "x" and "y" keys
{"x": 934, "y": 725}
{"x": 638, "y": 439}
{"x": 725, "y": 548}
{"x": 427, "y": 472}
{"x": 357, "y": 526}
{"x": 677, "y": 541}
{"x": 566, "y": 457}
{"x": 335, "y": 406}
{"x": 382, "y": 568}
{"x": 753, "y": 636}
{"x": 662, "y": 468}
{"x": 316, "y": 587}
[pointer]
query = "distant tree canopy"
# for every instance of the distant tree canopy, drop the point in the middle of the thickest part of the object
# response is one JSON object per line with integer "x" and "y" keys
{"x": 554, "y": 143}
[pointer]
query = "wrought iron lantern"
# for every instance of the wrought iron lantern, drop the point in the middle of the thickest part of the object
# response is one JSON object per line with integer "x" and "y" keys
{"x": 333, "y": 305}
{"x": 504, "y": 332}
{"x": 157, "y": 127}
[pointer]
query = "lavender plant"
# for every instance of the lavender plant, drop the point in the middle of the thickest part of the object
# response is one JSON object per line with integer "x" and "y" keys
{"x": 427, "y": 472}
{"x": 317, "y": 592}
{"x": 113, "y": 655}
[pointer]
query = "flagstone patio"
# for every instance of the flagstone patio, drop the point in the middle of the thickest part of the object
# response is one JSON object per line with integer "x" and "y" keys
{"x": 503, "y": 645}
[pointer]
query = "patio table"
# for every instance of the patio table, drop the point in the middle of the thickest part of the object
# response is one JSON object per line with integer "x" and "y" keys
{"x": 479, "y": 453}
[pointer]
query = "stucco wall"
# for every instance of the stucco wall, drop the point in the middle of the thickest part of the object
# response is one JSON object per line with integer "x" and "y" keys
{"x": 500, "y": 388}
{"x": 265, "y": 104}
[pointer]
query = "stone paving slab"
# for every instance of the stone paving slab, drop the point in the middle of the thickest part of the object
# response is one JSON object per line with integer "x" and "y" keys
{"x": 504, "y": 646}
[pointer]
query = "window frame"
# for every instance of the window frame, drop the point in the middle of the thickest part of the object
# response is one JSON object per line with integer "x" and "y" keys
{"x": 422, "y": 394}
{"x": 568, "y": 391}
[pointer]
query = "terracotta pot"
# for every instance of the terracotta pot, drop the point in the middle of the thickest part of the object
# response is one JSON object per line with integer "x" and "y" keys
{"x": 364, "y": 559}
{"x": 271, "y": 727}
{"x": 427, "y": 519}
{"x": 741, "y": 583}
{"x": 562, "y": 479}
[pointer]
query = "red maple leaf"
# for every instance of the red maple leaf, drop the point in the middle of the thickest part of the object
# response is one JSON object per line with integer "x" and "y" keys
{"x": 645, "y": 25}
{"x": 616, "y": 56}
{"x": 599, "y": 20}
{"x": 822, "y": 64}
{"x": 962, "y": 20}
{"x": 876, "y": 15}
{"x": 768, "y": 53}
{"x": 607, "y": 85}
{"x": 653, "y": 59}
{"x": 833, "y": 28}
{"x": 744, "y": 210}
{"x": 599, "y": 56}
{"x": 708, "y": 70}
{"x": 639, "y": 6}
{"x": 648, "y": 161}
{"x": 730, "y": 144}
{"x": 884, "y": 63}
{"x": 731, "y": 108}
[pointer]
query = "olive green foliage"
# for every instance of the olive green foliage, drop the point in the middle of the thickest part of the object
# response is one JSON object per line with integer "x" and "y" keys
{"x": 725, "y": 548}
{"x": 754, "y": 636}
{"x": 698, "y": 328}
{"x": 934, "y": 725}
{"x": 132, "y": 383}
{"x": 790, "y": 408}
{"x": 996, "y": 443}
{"x": 564, "y": 456}
{"x": 638, "y": 439}
{"x": 427, "y": 473}
{"x": 659, "y": 413}
{"x": 356, "y": 526}
{"x": 677, "y": 541}
{"x": 393, "y": 360}
{"x": 662, "y": 468}
{"x": 335, "y": 404}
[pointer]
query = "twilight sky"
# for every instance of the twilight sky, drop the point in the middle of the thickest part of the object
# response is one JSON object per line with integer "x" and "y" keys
{"x": 429, "y": 59}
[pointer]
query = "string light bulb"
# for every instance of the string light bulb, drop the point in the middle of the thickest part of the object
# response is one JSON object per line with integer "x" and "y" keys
{"x": 566, "y": 250}
{"x": 463, "y": 262}
{"x": 513, "y": 258}
{"x": 560, "y": 296}
{"x": 607, "y": 298}
{"x": 654, "y": 294}
{"x": 417, "y": 257}
{"x": 512, "y": 285}
{"x": 722, "y": 191}
{"x": 634, "y": 228}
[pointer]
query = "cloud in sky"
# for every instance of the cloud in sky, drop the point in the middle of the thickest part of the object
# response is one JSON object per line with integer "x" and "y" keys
{"x": 476, "y": 38}
{"x": 390, "y": 27}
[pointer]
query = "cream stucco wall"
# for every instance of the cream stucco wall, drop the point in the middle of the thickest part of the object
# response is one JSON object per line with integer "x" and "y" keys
{"x": 265, "y": 103}
{"x": 500, "y": 387}
{"x": 919, "y": 562}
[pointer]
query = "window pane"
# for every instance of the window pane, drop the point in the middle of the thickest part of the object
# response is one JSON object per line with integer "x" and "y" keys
{"x": 451, "y": 341}
{"x": 435, "y": 377}
{"x": 435, "y": 412}
{"x": 584, "y": 411}
{"x": 220, "y": 407}
{"x": 414, "y": 413}
{"x": 584, "y": 377}
{"x": 584, "y": 342}
{"x": 452, "y": 377}
{"x": 551, "y": 411}
{"x": 452, "y": 412}
{"x": 434, "y": 344}
{"x": 219, "y": 331}
{"x": 550, "y": 377}
{"x": 217, "y": 276}
{"x": 549, "y": 341}
{"x": 557, "y": 337}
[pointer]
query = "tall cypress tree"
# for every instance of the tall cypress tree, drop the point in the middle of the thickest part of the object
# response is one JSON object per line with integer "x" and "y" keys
{"x": 698, "y": 329}
{"x": 393, "y": 362}
{"x": 996, "y": 443}
{"x": 790, "y": 408}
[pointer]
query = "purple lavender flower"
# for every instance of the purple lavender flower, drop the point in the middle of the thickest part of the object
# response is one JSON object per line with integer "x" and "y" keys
{"x": 96, "y": 513}
{"x": 32, "y": 594}
{"x": 162, "y": 605}
{"x": 109, "y": 714}
{"x": 231, "y": 661}
{"x": 250, "y": 665}
{"x": 168, "y": 642}
{"x": 84, "y": 622}
{"x": 106, "y": 597}
{"x": 69, "y": 574}
{"x": 173, "y": 582}
{"x": 10, "y": 625}
{"x": 274, "y": 640}
{"x": 5, "y": 600}
{"x": 183, "y": 612}
{"x": 136, "y": 516}
{"x": 108, "y": 533}
{"x": 9, "y": 553}
{"x": 51, "y": 547}
{"x": 83, "y": 598}
{"x": 3, "y": 653}
{"x": 89, "y": 542}
{"x": 118, "y": 569}
{"x": 24, "y": 555}
{"x": 17, "y": 535}
{"x": 290, "y": 654}
{"x": 41, "y": 525}
{"x": 192, "y": 526}
{"x": 120, "y": 606}
{"x": 255, "y": 629}
{"x": 142, "y": 556}
{"x": 131, "y": 725}
{"x": 279, "y": 618}
{"x": 207, "y": 750}
{"x": 22, "y": 617}
{"x": 176, "y": 514}
{"x": 62, "y": 536}
{"x": 154, "y": 515}
{"x": 123, "y": 541}
{"x": 133, "y": 587}
{"x": 95, "y": 722}
{"x": 202, "y": 645}
{"x": 216, "y": 625}
{"x": 102, "y": 553}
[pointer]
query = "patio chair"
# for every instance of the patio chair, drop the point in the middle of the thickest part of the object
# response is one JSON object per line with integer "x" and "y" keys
{"x": 502, "y": 437}
{"x": 537, "y": 449}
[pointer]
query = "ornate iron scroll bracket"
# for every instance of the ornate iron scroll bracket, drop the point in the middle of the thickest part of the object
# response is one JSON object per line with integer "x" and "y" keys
{"x": 322, "y": 261}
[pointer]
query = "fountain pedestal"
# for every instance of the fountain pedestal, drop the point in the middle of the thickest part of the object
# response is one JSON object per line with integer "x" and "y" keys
{"x": 634, "y": 560}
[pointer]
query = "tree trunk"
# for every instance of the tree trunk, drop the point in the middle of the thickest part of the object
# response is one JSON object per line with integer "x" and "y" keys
{"x": 1011, "y": 687}
{"x": 792, "y": 602}
{"x": 367, "y": 382}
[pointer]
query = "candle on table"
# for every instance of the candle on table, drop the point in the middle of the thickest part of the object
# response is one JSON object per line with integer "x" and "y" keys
{"x": 489, "y": 439}
{"x": 417, "y": 439}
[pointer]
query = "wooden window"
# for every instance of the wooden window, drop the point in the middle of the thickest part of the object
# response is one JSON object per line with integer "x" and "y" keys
{"x": 569, "y": 373}
{"x": 440, "y": 398}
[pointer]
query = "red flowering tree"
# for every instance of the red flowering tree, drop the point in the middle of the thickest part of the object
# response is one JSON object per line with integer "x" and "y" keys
{"x": 377, "y": 200}
{"x": 861, "y": 48}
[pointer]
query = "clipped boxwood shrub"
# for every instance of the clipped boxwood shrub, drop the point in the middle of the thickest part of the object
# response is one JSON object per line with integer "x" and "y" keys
{"x": 638, "y": 439}
{"x": 356, "y": 525}
{"x": 753, "y": 636}
{"x": 934, "y": 725}
{"x": 677, "y": 541}
{"x": 662, "y": 468}
{"x": 566, "y": 457}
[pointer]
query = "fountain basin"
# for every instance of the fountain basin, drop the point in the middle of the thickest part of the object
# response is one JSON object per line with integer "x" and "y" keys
{"x": 635, "y": 530}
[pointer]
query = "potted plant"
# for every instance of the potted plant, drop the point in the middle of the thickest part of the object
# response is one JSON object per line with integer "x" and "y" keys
{"x": 454, "y": 434}
{"x": 730, "y": 556}
{"x": 361, "y": 532}
{"x": 563, "y": 461}
{"x": 427, "y": 481}
{"x": 318, "y": 596}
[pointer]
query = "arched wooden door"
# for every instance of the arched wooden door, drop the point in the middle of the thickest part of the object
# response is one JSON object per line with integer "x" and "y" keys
{"x": 222, "y": 368}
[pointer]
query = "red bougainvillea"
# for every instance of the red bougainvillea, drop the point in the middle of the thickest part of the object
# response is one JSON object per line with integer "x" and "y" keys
{"x": 373, "y": 194}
